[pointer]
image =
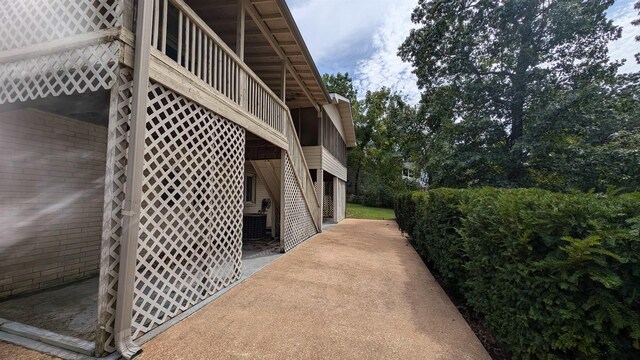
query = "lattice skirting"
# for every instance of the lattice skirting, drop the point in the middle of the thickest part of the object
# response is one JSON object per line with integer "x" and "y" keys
{"x": 75, "y": 71}
{"x": 29, "y": 22}
{"x": 191, "y": 216}
{"x": 327, "y": 200}
{"x": 298, "y": 223}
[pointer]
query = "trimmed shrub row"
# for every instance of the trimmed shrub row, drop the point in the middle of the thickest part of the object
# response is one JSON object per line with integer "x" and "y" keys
{"x": 556, "y": 276}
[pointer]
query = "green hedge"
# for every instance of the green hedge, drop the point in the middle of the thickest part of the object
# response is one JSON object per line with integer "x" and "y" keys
{"x": 556, "y": 276}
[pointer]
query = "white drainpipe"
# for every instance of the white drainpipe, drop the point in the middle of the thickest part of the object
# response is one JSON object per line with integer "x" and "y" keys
{"x": 133, "y": 186}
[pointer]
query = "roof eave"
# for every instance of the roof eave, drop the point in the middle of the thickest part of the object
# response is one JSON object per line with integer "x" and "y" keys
{"x": 346, "y": 117}
{"x": 284, "y": 8}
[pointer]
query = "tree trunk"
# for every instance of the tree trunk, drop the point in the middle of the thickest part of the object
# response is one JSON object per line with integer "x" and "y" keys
{"x": 526, "y": 59}
{"x": 515, "y": 170}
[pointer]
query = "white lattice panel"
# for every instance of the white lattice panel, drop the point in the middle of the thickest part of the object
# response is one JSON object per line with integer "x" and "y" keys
{"x": 28, "y": 22}
{"x": 327, "y": 207}
{"x": 75, "y": 71}
{"x": 327, "y": 200}
{"x": 191, "y": 218}
{"x": 298, "y": 223}
{"x": 115, "y": 177}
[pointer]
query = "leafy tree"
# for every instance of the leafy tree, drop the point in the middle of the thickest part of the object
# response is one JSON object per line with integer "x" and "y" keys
{"x": 497, "y": 75}
{"x": 636, "y": 22}
{"x": 341, "y": 84}
{"x": 592, "y": 142}
{"x": 375, "y": 164}
{"x": 382, "y": 137}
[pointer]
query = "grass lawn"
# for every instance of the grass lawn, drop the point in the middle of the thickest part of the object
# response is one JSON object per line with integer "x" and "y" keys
{"x": 357, "y": 211}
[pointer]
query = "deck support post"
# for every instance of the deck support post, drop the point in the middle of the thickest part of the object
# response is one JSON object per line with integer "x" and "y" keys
{"x": 283, "y": 80}
{"x": 320, "y": 192}
{"x": 133, "y": 186}
{"x": 335, "y": 199}
{"x": 242, "y": 76}
{"x": 320, "y": 128}
{"x": 240, "y": 30}
{"x": 283, "y": 157}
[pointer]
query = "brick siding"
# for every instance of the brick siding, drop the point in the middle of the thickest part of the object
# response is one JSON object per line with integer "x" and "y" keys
{"x": 51, "y": 194}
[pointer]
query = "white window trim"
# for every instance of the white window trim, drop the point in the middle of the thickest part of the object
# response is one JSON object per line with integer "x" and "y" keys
{"x": 254, "y": 186}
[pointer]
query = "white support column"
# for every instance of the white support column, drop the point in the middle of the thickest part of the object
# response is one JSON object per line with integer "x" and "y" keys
{"x": 283, "y": 81}
{"x": 240, "y": 29}
{"x": 133, "y": 186}
{"x": 336, "y": 193}
{"x": 320, "y": 192}
{"x": 242, "y": 76}
{"x": 320, "y": 128}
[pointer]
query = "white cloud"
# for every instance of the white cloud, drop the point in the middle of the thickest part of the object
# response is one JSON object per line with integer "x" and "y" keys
{"x": 384, "y": 67}
{"x": 627, "y": 46}
{"x": 331, "y": 27}
{"x": 363, "y": 36}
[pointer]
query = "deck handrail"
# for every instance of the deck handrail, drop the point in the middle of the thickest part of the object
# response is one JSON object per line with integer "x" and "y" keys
{"x": 204, "y": 54}
{"x": 300, "y": 163}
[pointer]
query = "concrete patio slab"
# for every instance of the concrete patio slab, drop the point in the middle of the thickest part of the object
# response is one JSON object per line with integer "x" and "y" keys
{"x": 69, "y": 310}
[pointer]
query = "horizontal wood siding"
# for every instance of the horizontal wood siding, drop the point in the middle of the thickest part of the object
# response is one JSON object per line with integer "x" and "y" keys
{"x": 333, "y": 165}
{"x": 313, "y": 155}
{"x": 334, "y": 115}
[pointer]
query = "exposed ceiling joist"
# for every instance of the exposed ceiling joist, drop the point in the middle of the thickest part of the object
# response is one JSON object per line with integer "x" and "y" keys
{"x": 215, "y": 4}
{"x": 268, "y": 34}
{"x": 275, "y": 16}
{"x": 261, "y": 44}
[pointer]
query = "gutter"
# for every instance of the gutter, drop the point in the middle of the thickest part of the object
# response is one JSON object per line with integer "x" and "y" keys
{"x": 133, "y": 186}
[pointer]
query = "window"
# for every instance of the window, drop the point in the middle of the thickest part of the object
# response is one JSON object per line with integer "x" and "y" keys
{"x": 250, "y": 188}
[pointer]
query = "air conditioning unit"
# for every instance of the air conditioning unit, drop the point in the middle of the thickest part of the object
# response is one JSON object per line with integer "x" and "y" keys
{"x": 254, "y": 226}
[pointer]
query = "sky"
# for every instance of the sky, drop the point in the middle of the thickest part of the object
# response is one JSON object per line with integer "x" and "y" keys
{"x": 362, "y": 37}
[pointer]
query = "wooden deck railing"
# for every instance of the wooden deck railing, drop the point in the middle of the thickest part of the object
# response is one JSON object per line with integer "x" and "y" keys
{"x": 301, "y": 168}
{"x": 198, "y": 49}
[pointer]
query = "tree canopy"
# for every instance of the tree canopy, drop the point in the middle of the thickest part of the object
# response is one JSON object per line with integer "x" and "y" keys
{"x": 636, "y": 22}
{"x": 375, "y": 164}
{"x": 522, "y": 93}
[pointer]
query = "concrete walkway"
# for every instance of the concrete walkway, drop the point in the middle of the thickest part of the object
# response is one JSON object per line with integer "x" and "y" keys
{"x": 357, "y": 291}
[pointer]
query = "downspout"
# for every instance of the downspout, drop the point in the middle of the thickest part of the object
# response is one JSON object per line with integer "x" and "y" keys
{"x": 133, "y": 186}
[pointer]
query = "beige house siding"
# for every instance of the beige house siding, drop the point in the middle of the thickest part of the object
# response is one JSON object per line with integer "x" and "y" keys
{"x": 51, "y": 195}
{"x": 318, "y": 157}
{"x": 334, "y": 115}
{"x": 333, "y": 165}
{"x": 313, "y": 156}
{"x": 261, "y": 193}
{"x": 340, "y": 191}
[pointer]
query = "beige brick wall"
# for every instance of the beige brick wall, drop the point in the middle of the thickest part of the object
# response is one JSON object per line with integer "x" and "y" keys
{"x": 51, "y": 194}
